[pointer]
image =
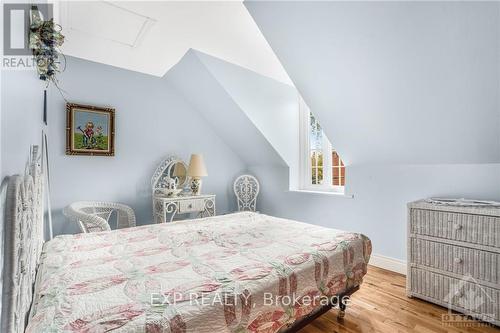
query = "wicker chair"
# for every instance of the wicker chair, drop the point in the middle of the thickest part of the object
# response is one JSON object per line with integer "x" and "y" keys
{"x": 93, "y": 216}
{"x": 246, "y": 188}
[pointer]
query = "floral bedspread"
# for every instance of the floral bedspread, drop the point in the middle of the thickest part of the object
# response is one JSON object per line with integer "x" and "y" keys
{"x": 243, "y": 272}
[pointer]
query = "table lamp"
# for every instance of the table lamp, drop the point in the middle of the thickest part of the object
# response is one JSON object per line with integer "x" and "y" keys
{"x": 196, "y": 170}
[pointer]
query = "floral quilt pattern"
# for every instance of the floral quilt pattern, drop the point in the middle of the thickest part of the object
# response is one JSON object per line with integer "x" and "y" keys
{"x": 237, "y": 273}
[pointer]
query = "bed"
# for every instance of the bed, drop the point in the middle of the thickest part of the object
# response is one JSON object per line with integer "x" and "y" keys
{"x": 242, "y": 272}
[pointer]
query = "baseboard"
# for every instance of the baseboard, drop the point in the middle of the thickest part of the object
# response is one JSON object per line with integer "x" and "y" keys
{"x": 391, "y": 264}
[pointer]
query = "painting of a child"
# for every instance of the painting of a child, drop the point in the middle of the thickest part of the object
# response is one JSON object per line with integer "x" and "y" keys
{"x": 90, "y": 130}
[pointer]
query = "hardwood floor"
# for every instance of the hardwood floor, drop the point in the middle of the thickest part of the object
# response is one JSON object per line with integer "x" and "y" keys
{"x": 381, "y": 305}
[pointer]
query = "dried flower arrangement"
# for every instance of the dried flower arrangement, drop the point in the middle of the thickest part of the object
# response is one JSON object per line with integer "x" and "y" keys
{"x": 45, "y": 40}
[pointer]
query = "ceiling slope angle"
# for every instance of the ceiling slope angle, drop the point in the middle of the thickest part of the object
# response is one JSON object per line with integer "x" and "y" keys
{"x": 152, "y": 36}
{"x": 394, "y": 82}
{"x": 201, "y": 89}
{"x": 270, "y": 105}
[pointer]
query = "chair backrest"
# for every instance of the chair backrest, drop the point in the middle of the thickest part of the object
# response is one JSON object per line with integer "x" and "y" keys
{"x": 246, "y": 188}
{"x": 93, "y": 216}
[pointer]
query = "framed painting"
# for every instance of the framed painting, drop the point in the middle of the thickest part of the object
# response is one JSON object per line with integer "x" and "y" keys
{"x": 90, "y": 130}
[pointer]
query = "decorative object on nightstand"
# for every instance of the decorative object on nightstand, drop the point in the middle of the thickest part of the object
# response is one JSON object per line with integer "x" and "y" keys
{"x": 180, "y": 174}
{"x": 246, "y": 188}
{"x": 168, "y": 186}
{"x": 196, "y": 170}
{"x": 170, "y": 177}
{"x": 454, "y": 255}
{"x": 167, "y": 203}
{"x": 94, "y": 216}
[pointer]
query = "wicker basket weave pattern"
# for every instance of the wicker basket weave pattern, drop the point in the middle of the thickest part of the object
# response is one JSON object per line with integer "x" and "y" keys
{"x": 454, "y": 257}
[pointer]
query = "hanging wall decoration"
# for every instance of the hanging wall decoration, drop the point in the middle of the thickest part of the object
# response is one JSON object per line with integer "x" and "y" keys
{"x": 45, "y": 41}
{"x": 90, "y": 130}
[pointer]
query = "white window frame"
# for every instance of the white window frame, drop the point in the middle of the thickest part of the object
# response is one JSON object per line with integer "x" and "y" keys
{"x": 304, "y": 163}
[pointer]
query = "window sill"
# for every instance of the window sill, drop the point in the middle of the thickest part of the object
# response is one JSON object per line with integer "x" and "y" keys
{"x": 330, "y": 193}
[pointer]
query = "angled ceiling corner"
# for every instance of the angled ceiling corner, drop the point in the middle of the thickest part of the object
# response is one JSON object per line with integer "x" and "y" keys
{"x": 196, "y": 83}
{"x": 272, "y": 106}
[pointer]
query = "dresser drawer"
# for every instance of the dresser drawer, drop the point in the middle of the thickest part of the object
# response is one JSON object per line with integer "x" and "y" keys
{"x": 187, "y": 206}
{"x": 481, "y": 265}
{"x": 477, "y": 229}
{"x": 464, "y": 295}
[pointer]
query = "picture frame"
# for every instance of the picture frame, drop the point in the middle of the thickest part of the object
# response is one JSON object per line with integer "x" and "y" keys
{"x": 90, "y": 130}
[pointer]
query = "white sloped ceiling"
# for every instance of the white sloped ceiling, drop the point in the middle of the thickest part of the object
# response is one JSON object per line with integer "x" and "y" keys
{"x": 394, "y": 82}
{"x": 152, "y": 36}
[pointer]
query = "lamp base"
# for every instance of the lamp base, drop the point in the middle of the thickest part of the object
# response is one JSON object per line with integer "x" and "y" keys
{"x": 196, "y": 186}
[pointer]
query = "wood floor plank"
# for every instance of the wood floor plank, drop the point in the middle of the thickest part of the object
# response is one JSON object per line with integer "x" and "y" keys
{"x": 381, "y": 306}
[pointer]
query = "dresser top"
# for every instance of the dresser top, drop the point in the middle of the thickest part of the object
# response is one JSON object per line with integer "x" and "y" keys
{"x": 446, "y": 207}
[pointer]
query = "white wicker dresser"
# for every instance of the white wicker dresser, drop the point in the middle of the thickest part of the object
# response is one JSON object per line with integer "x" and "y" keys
{"x": 454, "y": 257}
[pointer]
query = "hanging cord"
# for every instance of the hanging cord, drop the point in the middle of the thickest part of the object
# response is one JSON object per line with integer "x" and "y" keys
{"x": 46, "y": 169}
{"x": 54, "y": 80}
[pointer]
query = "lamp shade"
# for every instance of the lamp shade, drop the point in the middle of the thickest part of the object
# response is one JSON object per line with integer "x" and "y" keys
{"x": 197, "y": 166}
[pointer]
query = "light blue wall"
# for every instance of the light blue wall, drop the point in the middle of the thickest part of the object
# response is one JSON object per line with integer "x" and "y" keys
{"x": 271, "y": 106}
{"x": 266, "y": 102}
{"x": 21, "y": 118}
{"x": 20, "y": 114}
{"x": 194, "y": 80}
{"x": 393, "y": 84}
{"x": 185, "y": 112}
{"x": 152, "y": 121}
{"x": 381, "y": 193}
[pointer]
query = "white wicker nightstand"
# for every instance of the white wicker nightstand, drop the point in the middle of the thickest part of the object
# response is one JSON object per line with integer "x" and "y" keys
{"x": 166, "y": 208}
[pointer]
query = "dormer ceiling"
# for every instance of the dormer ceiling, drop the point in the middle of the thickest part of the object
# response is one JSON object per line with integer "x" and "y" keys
{"x": 394, "y": 82}
{"x": 213, "y": 87}
{"x": 151, "y": 37}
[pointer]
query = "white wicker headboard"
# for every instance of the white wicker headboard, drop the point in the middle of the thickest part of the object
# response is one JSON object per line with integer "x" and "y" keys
{"x": 23, "y": 240}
